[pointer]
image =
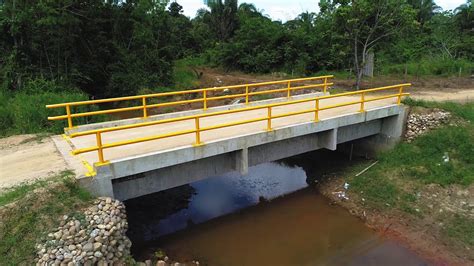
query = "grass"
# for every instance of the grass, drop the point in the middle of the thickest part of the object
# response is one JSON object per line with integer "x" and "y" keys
{"x": 436, "y": 66}
{"x": 29, "y": 211}
{"x": 421, "y": 160}
{"x": 465, "y": 111}
{"x": 461, "y": 228}
{"x": 12, "y": 194}
{"x": 403, "y": 171}
{"x": 25, "y": 112}
{"x": 185, "y": 74}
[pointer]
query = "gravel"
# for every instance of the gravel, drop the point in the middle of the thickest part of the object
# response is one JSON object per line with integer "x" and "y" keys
{"x": 418, "y": 124}
{"x": 95, "y": 236}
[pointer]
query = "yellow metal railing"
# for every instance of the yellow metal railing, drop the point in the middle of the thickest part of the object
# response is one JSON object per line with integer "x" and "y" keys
{"x": 205, "y": 98}
{"x": 197, "y": 130}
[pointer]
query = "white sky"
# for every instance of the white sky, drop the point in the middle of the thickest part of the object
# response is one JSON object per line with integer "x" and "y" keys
{"x": 285, "y": 10}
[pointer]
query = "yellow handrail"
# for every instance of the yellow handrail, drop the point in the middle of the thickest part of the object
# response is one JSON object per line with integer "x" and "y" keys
{"x": 269, "y": 117}
{"x": 205, "y": 99}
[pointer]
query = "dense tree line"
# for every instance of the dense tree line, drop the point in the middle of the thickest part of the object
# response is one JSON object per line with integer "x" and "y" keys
{"x": 111, "y": 48}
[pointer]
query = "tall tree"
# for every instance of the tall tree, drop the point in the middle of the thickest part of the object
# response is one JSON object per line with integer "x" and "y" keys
{"x": 223, "y": 17}
{"x": 464, "y": 16}
{"x": 366, "y": 23}
{"x": 175, "y": 9}
{"x": 425, "y": 10}
{"x": 445, "y": 36}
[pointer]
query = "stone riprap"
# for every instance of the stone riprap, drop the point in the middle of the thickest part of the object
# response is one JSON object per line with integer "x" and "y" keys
{"x": 418, "y": 124}
{"x": 94, "y": 237}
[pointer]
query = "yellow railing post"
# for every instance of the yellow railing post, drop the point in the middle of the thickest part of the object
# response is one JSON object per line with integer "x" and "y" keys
{"x": 400, "y": 92}
{"x": 69, "y": 118}
{"x": 316, "y": 111}
{"x": 145, "y": 112}
{"x": 247, "y": 94}
{"x": 269, "y": 119}
{"x": 198, "y": 131}
{"x": 204, "y": 93}
{"x": 325, "y": 85}
{"x": 362, "y": 102}
{"x": 289, "y": 90}
{"x": 100, "y": 151}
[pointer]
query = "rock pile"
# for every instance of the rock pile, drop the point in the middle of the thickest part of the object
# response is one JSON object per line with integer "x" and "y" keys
{"x": 97, "y": 236}
{"x": 418, "y": 124}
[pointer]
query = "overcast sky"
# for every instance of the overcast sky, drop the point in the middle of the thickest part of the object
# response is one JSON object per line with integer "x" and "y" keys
{"x": 285, "y": 10}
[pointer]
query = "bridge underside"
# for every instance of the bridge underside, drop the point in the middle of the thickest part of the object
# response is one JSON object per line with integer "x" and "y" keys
{"x": 153, "y": 172}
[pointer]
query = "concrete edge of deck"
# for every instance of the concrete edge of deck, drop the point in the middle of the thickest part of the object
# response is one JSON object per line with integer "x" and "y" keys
{"x": 77, "y": 164}
{"x": 186, "y": 113}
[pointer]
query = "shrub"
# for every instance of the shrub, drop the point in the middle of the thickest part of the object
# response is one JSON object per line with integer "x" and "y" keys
{"x": 431, "y": 66}
{"x": 25, "y": 112}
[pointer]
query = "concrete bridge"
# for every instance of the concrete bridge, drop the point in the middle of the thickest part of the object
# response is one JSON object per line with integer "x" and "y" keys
{"x": 128, "y": 158}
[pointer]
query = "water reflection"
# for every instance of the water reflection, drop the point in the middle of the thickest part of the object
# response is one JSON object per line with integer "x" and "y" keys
{"x": 217, "y": 196}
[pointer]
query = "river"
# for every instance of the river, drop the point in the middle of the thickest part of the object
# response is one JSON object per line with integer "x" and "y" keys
{"x": 269, "y": 217}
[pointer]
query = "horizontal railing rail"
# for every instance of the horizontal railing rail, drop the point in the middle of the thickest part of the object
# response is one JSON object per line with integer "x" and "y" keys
{"x": 205, "y": 98}
{"x": 197, "y": 130}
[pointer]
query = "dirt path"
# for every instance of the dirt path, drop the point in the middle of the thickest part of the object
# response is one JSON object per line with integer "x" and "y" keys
{"x": 28, "y": 157}
{"x": 456, "y": 96}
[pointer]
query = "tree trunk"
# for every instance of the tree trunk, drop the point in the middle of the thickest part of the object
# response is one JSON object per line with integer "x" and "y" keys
{"x": 357, "y": 70}
{"x": 360, "y": 66}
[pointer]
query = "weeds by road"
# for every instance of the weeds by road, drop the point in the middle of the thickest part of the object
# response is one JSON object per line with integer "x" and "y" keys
{"x": 28, "y": 211}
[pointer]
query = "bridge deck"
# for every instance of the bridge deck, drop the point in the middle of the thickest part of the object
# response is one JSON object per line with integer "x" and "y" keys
{"x": 213, "y": 135}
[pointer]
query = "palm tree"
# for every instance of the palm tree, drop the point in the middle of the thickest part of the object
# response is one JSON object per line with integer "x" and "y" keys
{"x": 465, "y": 16}
{"x": 425, "y": 9}
{"x": 223, "y": 17}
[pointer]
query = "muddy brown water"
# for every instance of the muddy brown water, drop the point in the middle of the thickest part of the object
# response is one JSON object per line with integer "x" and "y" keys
{"x": 269, "y": 217}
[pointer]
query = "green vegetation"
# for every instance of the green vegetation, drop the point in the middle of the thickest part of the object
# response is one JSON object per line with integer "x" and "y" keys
{"x": 14, "y": 193}
{"x": 29, "y": 210}
{"x": 116, "y": 48}
{"x": 465, "y": 111}
{"x": 57, "y": 51}
{"x": 25, "y": 112}
{"x": 437, "y": 66}
{"x": 394, "y": 183}
{"x": 421, "y": 161}
{"x": 186, "y": 74}
{"x": 461, "y": 228}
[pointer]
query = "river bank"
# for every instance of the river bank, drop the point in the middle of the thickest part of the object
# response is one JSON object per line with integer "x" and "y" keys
{"x": 421, "y": 235}
{"x": 420, "y": 194}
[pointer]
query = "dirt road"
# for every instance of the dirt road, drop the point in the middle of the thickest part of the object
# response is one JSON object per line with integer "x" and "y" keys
{"x": 460, "y": 96}
{"x": 26, "y": 158}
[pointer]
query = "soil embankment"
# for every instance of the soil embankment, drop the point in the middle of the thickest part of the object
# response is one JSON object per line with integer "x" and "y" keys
{"x": 428, "y": 212}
